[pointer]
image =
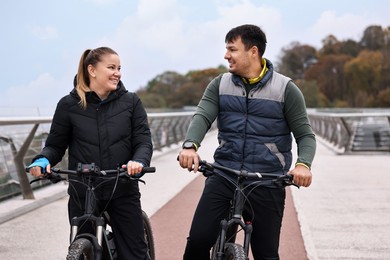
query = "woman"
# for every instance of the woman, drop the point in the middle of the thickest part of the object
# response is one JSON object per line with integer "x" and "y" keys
{"x": 101, "y": 122}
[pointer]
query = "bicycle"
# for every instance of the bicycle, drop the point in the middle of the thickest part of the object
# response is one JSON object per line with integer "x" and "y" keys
{"x": 101, "y": 244}
{"x": 226, "y": 247}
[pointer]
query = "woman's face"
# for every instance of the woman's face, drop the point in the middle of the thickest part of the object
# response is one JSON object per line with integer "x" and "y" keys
{"x": 105, "y": 75}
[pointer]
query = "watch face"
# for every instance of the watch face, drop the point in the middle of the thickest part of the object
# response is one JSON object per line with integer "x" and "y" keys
{"x": 188, "y": 145}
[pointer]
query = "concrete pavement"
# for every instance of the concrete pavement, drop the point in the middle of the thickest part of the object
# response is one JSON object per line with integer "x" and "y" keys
{"x": 345, "y": 214}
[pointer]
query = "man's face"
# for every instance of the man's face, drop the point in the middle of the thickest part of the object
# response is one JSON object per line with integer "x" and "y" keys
{"x": 238, "y": 57}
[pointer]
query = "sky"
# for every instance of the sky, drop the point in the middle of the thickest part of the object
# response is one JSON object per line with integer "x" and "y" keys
{"x": 42, "y": 40}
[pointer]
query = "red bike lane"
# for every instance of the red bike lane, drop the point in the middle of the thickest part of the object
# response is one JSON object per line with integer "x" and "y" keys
{"x": 171, "y": 224}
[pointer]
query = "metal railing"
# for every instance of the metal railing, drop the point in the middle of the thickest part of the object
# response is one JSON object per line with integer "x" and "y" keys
{"x": 353, "y": 130}
{"x": 21, "y": 138}
{"x": 346, "y": 131}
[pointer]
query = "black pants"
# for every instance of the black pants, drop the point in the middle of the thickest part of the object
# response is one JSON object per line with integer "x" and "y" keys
{"x": 266, "y": 203}
{"x": 126, "y": 221}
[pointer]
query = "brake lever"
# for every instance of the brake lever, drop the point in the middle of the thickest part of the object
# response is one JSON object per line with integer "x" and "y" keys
{"x": 131, "y": 178}
{"x": 207, "y": 172}
{"x": 286, "y": 180}
{"x": 293, "y": 184}
{"x": 37, "y": 179}
{"x": 53, "y": 178}
{"x": 136, "y": 179}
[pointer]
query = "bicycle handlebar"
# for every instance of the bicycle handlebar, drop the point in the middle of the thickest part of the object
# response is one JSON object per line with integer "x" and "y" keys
{"x": 91, "y": 169}
{"x": 281, "y": 181}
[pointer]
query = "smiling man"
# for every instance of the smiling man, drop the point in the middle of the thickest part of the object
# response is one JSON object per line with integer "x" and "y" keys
{"x": 257, "y": 110}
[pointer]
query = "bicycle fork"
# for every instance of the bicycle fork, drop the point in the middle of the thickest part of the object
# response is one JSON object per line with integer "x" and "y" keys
{"x": 88, "y": 216}
{"x": 229, "y": 228}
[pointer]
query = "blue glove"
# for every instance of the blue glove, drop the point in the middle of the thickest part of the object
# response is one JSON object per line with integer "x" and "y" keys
{"x": 41, "y": 162}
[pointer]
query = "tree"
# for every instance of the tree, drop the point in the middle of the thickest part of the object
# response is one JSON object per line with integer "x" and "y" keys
{"x": 350, "y": 48}
{"x": 364, "y": 71}
{"x": 364, "y": 75}
{"x": 330, "y": 45}
{"x": 173, "y": 90}
{"x": 151, "y": 100}
{"x": 313, "y": 96}
{"x": 373, "y": 38}
{"x": 386, "y": 61}
{"x": 383, "y": 98}
{"x": 328, "y": 72}
{"x": 295, "y": 59}
{"x": 192, "y": 91}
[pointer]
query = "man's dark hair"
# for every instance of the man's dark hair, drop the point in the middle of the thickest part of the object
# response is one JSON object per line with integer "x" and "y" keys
{"x": 251, "y": 35}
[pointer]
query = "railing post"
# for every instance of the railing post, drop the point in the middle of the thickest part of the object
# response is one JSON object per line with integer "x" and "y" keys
{"x": 25, "y": 186}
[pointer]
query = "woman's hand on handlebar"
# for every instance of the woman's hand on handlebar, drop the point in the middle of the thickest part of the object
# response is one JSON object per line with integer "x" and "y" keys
{"x": 133, "y": 167}
{"x": 39, "y": 166}
{"x": 36, "y": 171}
{"x": 188, "y": 158}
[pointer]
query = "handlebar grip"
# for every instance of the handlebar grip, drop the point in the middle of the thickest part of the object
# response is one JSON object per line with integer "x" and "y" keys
{"x": 123, "y": 173}
{"x": 148, "y": 169}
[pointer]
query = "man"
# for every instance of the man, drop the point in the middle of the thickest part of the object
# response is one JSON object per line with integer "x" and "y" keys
{"x": 257, "y": 110}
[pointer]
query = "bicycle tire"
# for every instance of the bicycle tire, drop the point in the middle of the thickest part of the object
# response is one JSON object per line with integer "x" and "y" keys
{"x": 81, "y": 248}
{"x": 149, "y": 236}
{"x": 234, "y": 252}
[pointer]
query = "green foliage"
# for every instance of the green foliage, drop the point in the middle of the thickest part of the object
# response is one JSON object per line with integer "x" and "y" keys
{"x": 365, "y": 71}
{"x": 383, "y": 98}
{"x": 172, "y": 90}
{"x": 312, "y": 94}
{"x": 296, "y": 58}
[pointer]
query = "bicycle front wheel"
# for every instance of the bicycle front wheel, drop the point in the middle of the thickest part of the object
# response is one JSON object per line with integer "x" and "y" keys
{"x": 148, "y": 235}
{"x": 81, "y": 248}
{"x": 234, "y": 252}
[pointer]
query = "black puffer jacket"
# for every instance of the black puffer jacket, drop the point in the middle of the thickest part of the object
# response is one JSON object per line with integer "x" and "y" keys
{"x": 108, "y": 132}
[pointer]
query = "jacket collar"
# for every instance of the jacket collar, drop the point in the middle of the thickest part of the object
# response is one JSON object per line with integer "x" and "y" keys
{"x": 237, "y": 80}
{"x": 93, "y": 98}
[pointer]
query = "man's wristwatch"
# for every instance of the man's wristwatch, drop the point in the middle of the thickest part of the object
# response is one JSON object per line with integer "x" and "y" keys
{"x": 189, "y": 145}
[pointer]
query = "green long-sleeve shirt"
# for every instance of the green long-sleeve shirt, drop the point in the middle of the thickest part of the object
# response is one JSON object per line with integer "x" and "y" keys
{"x": 294, "y": 112}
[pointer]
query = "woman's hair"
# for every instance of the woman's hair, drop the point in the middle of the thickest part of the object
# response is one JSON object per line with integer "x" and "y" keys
{"x": 89, "y": 57}
{"x": 251, "y": 35}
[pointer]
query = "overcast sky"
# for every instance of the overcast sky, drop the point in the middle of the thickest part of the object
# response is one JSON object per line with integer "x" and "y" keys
{"x": 42, "y": 40}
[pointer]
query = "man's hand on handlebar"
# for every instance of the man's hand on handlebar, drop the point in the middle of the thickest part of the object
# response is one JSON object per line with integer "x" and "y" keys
{"x": 302, "y": 176}
{"x": 188, "y": 158}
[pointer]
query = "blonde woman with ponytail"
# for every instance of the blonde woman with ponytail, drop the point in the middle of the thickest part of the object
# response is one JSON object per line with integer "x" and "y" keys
{"x": 101, "y": 122}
